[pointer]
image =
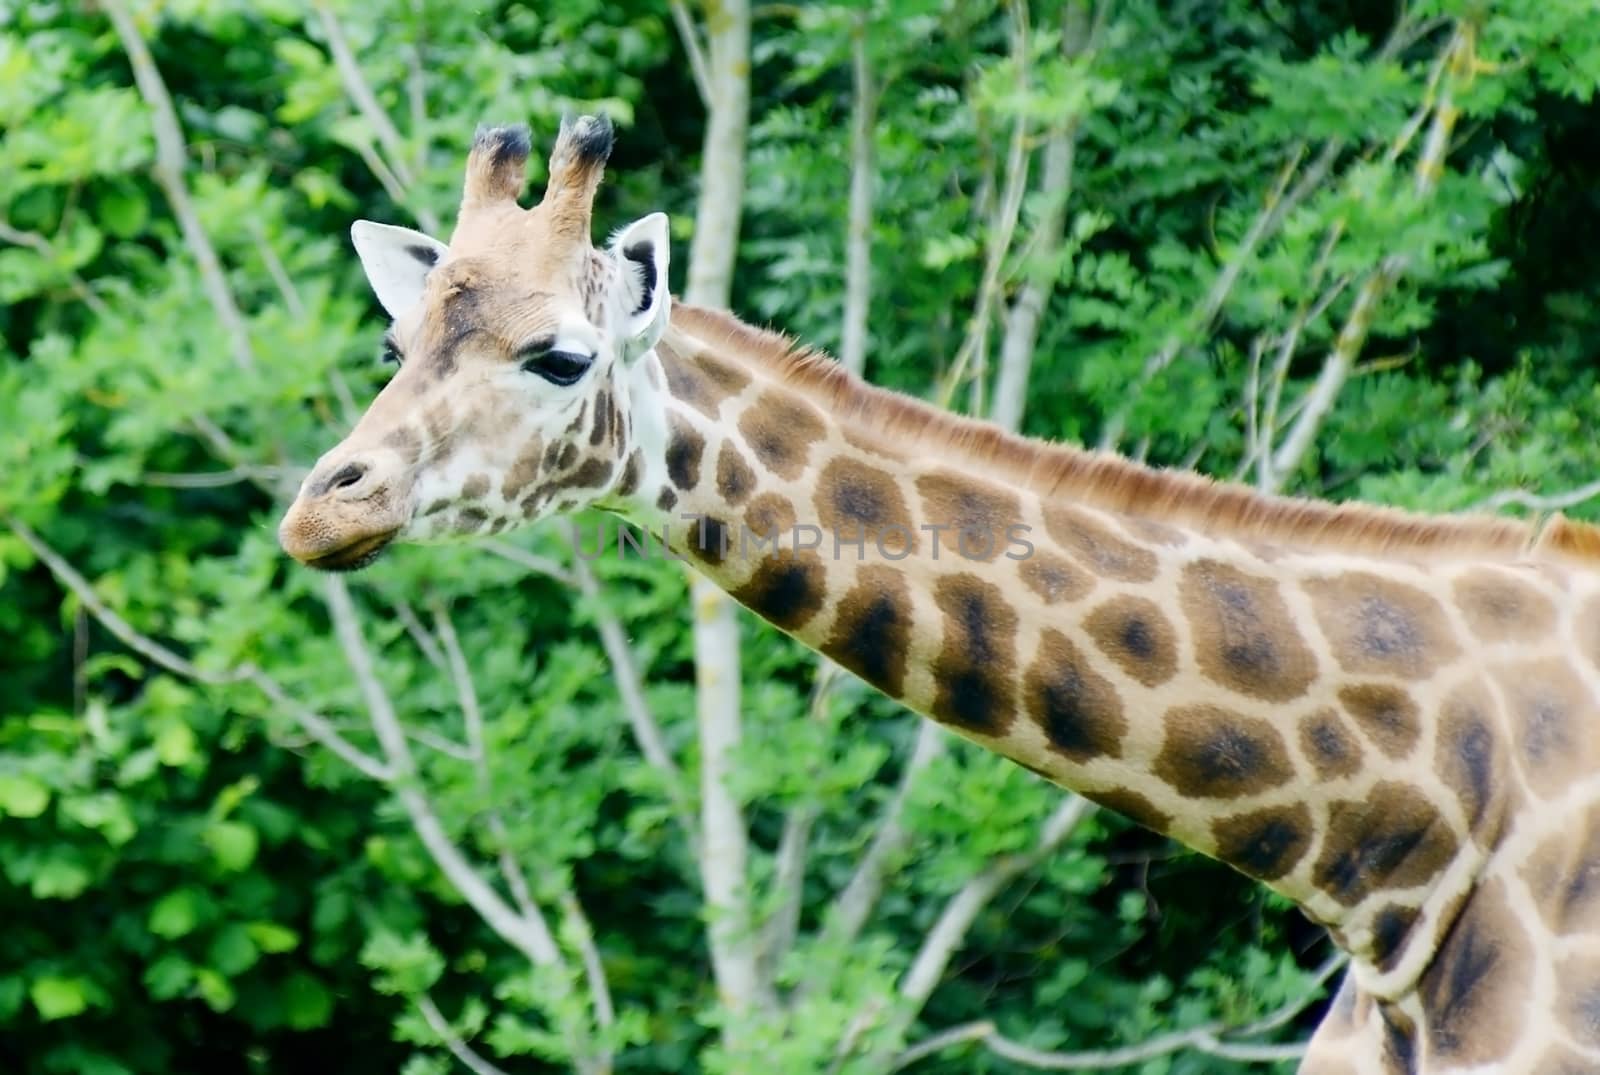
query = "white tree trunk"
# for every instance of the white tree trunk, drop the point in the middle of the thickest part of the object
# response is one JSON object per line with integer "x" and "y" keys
{"x": 858, "y": 234}
{"x": 724, "y": 850}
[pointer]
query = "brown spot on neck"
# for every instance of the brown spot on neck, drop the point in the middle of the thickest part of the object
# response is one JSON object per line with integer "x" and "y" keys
{"x": 735, "y": 479}
{"x": 1475, "y": 992}
{"x": 1106, "y": 554}
{"x": 1054, "y": 579}
{"x": 975, "y": 671}
{"x": 1388, "y": 716}
{"x": 1377, "y": 626}
{"x": 1392, "y": 838}
{"x": 1500, "y": 607}
{"x": 1244, "y": 637}
{"x": 689, "y": 382}
{"x": 786, "y": 590}
{"x": 1266, "y": 844}
{"x": 872, "y": 633}
{"x": 780, "y": 429}
{"x": 1330, "y": 747}
{"x": 1208, "y": 752}
{"x": 685, "y": 447}
{"x": 1134, "y": 632}
{"x": 1551, "y": 712}
{"x": 1133, "y": 806}
{"x": 978, "y": 519}
{"x": 1077, "y": 708}
{"x": 856, "y": 500}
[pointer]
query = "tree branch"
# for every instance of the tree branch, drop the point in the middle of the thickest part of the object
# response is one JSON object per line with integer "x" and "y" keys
{"x": 950, "y": 930}
{"x": 630, "y": 688}
{"x": 1319, "y": 400}
{"x": 214, "y": 479}
{"x": 1021, "y": 335}
{"x": 315, "y": 725}
{"x": 854, "y": 905}
{"x": 1260, "y": 453}
{"x": 578, "y": 928}
{"x": 539, "y": 565}
{"x": 478, "y": 755}
{"x": 1538, "y": 501}
{"x": 416, "y": 82}
{"x": 1279, "y": 202}
{"x": 366, "y": 102}
{"x": 46, "y": 250}
{"x": 171, "y": 162}
{"x": 426, "y": 644}
{"x": 530, "y": 936}
{"x": 452, "y": 1041}
{"x": 794, "y": 847}
{"x": 576, "y": 921}
{"x": 1207, "y": 1039}
{"x": 690, "y": 36}
{"x": 1002, "y": 231}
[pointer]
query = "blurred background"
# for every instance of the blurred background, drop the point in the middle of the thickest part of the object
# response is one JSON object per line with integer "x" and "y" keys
{"x": 453, "y": 815}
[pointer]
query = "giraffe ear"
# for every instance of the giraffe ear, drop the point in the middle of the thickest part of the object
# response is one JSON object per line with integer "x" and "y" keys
{"x": 397, "y": 261}
{"x": 641, "y": 251}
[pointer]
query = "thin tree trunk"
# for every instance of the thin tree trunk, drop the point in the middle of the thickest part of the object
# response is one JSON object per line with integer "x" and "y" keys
{"x": 1021, "y": 335}
{"x": 858, "y": 234}
{"x": 1357, "y": 326}
{"x": 172, "y": 156}
{"x": 724, "y": 851}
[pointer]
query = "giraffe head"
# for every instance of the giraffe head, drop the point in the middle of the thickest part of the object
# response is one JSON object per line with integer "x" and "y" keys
{"x": 513, "y": 344}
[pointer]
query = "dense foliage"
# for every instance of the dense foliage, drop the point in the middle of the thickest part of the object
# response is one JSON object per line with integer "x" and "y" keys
{"x": 1343, "y": 248}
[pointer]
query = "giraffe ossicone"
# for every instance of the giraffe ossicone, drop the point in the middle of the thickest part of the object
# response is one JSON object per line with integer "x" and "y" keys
{"x": 1394, "y": 720}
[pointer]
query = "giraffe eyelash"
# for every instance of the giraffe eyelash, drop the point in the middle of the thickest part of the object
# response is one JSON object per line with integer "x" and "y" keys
{"x": 390, "y": 356}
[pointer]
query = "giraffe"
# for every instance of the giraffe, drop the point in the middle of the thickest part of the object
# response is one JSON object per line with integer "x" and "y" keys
{"x": 1388, "y": 718}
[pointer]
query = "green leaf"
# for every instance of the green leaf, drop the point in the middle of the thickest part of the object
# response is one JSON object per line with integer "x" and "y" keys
{"x": 271, "y": 937}
{"x": 62, "y": 875}
{"x": 213, "y": 989}
{"x": 307, "y": 1002}
{"x": 59, "y": 998}
{"x": 106, "y": 813}
{"x": 13, "y": 990}
{"x": 410, "y": 964}
{"x": 169, "y": 976}
{"x": 124, "y": 211}
{"x": 175, "y": 914}
{"x": 233, "y": 844}
{"x": 22, "y": 796}
{"x": 175, "y": 744}
{"x": 231, "y": 950}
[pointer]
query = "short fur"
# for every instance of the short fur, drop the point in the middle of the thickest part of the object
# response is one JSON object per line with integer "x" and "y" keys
{"x": 496, "y": 166}
{"x": 1113, "y": 483}
{"x": 577, "y": 164}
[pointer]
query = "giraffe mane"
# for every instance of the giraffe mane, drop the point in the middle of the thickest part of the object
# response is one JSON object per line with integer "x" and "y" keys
{"x": 1113, "y": 483}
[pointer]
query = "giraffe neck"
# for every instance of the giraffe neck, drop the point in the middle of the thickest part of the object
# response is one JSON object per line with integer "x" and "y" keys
{"x": 1320, "y": 720}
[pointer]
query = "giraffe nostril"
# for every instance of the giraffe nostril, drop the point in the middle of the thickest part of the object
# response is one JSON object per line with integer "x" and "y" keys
{"x": 345, "y": 477}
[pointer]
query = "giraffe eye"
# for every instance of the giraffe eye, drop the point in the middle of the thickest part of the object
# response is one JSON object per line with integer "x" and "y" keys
{"x": 391, "y": 354}
{"x": 558, "y": 367}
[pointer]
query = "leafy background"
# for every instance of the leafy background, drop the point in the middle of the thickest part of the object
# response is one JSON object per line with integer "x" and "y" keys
{"x": 248, "y": 819}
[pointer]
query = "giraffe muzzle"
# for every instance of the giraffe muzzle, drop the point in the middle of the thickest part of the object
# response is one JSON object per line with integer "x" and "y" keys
{"x": 347, "y": 512}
